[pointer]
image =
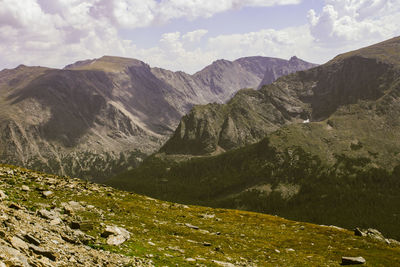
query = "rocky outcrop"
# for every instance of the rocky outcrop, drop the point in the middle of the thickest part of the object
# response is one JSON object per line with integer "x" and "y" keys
{"x": 29, "y": 238}
{"x": 98, "y": 117}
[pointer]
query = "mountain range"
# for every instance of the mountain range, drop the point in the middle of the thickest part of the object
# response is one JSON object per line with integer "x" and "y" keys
{"x": 98, "y": 117}
{"x": 319, "y": 145}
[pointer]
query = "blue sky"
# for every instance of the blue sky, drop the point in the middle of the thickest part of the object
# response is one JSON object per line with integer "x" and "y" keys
{"x": 248, "y": 19}
{"x": 189, "y": 34}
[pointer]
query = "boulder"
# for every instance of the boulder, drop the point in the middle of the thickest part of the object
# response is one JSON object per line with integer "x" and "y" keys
{"x": 115, "y": 240}
{"x": 115, "y": 230}
{"x": 353, "y": 260}
{"x": 115, "y": 235}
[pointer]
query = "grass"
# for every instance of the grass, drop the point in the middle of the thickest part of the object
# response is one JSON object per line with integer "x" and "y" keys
{"x": 158, "y": 229}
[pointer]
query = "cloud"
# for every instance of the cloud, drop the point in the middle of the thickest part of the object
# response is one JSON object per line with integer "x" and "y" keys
{"x": 194, "y": 36}
{"x": 343, "y": 21}
{"x": 57, "y": 32}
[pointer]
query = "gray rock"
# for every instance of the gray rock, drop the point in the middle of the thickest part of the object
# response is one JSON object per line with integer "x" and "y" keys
{"x": 115, "y": 235}
{"x": 25, "y": 188}
{"x": 18, "y": 243}
{"x": 353, "y": 260}
{"x": 3, "y": 196}
{"x": 13, "y": 257}
{"x": 191, "y": 226}
{"x": 115, "y": 230}
{"x": 43, "y": 252}
{"x": 115, "y": 240}
{"x": 50, "y": 215}
{"x": 47, "y": 194}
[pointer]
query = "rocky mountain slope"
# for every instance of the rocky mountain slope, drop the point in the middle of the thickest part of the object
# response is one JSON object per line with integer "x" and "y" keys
{"x": 358, "y": 88}
{"x": 57, "y": 221}
{"x": 101, "y": 116}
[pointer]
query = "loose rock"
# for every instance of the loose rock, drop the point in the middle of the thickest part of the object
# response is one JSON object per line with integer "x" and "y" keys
{"x": 352, "y": 260}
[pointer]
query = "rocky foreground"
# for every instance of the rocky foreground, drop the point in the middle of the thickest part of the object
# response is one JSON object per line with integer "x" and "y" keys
{"x": 50, "y": 235}
{"x": 58, "y": 221}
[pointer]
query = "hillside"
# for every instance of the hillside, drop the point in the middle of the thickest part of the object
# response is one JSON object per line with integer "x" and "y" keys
{"x": 58, "y": 221}
{"x": 319, "y": 145}
{"x": 291, "y": 183}
{"x": 353, "y": 99}
{"x": 99, "y": 117}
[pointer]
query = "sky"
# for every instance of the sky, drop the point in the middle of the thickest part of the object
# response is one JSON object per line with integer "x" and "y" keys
{"x": 187, "y": 35}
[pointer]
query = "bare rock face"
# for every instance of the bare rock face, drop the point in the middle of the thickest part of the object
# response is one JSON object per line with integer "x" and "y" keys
{"x": 101, "y": 116}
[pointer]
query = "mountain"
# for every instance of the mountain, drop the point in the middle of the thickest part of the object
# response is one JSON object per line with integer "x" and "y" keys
{"x": 359, "y": 88}
{"x": 58, "y": 221}
{"x": 98, "y": 117}
{"x": 320, "y": 145}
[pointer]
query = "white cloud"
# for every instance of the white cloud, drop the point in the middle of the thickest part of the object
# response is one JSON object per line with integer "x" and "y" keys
{"x": 345, "y": 21}
{"x": 57, "y": 32}
{"x": 195, "y": 36}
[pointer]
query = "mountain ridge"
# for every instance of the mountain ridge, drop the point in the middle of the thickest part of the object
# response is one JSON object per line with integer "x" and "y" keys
{"x": 98, "y": 117}
{"x": 312, "y": 95}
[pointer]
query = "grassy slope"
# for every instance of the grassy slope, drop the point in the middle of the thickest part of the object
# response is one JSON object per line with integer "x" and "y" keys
{"x": 350, "y": 192}
{"x": 245, "y": 237}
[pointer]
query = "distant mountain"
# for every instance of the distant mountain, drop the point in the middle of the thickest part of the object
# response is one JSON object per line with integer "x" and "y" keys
{"x": 98, "y": 117}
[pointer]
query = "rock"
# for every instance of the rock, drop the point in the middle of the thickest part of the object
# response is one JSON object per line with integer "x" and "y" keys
{"x": 13, "y": 257}
{"x": 46, "y": 253}
{"x": 25, "y": 188}
{"x": 358, "y": 232}
{"x": 352, "y": 260}
{"x": 224, "y": 264}
{"x": 190, "y": 260}
{"x": 375, "y": 234}
{"x": 50, "y": 215}
{"x": 115, "y": 240}
{"x": 55, "y": 221}
{"x": 206, "y": 244}
{"x": 115, "y": 235}
{"x": 47, "y": 194}
{"x": 31, "y": 239}
{"x": 115, "y": 230}
{"x": 393, "y": 242}
{"x": 76, "y": 206}
{"x": 18, "y": 243}
{"x": 191, "y": 226}
{"x": 3, "y": 196}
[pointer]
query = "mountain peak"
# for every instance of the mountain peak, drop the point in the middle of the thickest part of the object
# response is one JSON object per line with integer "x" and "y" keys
{"x": 105, "y": 63}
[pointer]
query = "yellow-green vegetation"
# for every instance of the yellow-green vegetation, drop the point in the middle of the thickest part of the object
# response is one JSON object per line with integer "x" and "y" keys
{"x": 287, "y": 180}
{"x": 170, "y": 233}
